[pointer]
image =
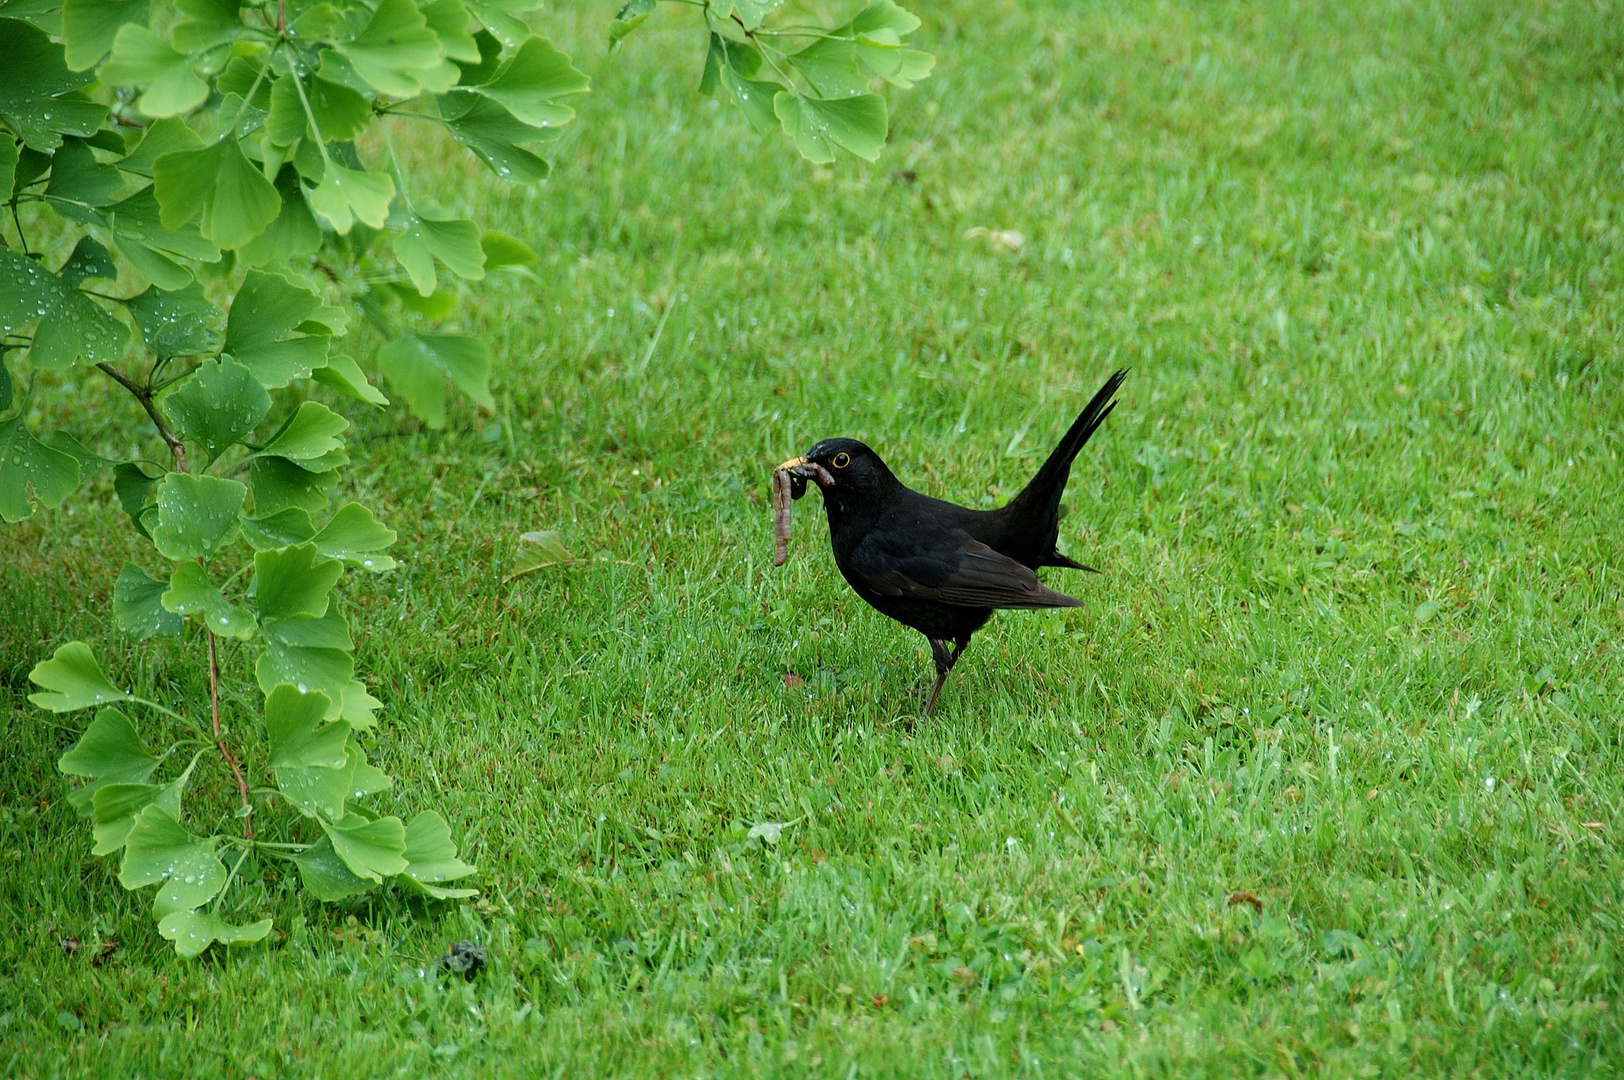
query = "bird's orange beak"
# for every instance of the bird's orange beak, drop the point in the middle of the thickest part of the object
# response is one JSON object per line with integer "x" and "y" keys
{"x": 806, "y": 469}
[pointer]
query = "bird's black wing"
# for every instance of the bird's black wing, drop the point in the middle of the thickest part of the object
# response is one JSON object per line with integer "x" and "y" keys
{"x": 951, "y": 568}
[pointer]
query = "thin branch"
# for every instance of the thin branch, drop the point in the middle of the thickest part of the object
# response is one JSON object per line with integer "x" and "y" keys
{"x": 144, "y": 396}
{"x": 310, "y": 114}
{"x": 17, "y": 221}
{"x": 219, "y": 741}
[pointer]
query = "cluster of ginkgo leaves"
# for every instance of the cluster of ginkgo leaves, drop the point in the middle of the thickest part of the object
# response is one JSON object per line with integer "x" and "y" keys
{"x": 223, "y": 178}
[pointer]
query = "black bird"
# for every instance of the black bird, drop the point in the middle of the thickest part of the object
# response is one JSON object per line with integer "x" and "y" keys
{"x": 936, "y": 566}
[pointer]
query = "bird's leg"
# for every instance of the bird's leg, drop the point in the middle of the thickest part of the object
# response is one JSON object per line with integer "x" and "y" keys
{"x": 945, "y": 660}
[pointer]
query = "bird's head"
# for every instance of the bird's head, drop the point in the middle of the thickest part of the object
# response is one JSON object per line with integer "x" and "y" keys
{"x": 845, "y": 470}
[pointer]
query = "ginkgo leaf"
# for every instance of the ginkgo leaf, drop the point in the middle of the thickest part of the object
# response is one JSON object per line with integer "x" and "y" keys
{"x": 346, "y": 196}
{"x": 141, "y": 57}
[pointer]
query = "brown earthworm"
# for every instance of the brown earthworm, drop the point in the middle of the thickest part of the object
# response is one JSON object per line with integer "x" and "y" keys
{"x": 824, "y": 477}
{"x": 781, "y": 516}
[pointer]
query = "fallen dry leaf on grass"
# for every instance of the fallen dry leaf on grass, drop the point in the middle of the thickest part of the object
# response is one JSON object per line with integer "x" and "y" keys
{"x": 1004, "y": 238}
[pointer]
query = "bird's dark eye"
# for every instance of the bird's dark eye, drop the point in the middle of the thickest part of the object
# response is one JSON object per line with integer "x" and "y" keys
{"x": 841, "y": 460}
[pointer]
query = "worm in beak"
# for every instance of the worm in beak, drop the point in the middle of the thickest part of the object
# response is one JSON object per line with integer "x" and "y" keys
{"x": 803, "y": 470}
{"x": 789, "y": 483}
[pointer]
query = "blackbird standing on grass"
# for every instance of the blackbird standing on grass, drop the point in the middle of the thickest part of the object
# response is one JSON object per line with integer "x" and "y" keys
{"x": 936, "y": 566}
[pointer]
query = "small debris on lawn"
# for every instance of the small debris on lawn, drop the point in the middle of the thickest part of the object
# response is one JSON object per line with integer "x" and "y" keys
{"x": 1004, "y": 238}
{"x": 465, "y": 959}
{"x": 792, "y": 680}
{"x": 1243, "y": 897}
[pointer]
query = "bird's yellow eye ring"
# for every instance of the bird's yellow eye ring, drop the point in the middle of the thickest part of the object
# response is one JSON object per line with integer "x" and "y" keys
{"x": 841, "y": 460}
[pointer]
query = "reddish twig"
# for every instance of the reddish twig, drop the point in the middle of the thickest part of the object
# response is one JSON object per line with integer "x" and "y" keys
{"x": 219, "y": 740}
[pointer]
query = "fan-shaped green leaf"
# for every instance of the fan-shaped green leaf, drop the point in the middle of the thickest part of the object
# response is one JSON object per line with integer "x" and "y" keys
{"x": 830, "y": 65}
{"x": 341, "y": 112}
{"x": 310, "y": 668}
{"x": 316, "y": 791}
{"x": 79, "y": 180}
{"x": 346, "y": 376}
{"x": 294, "y": 721}
{"x": 137, "y": 607}
{"x": 28, "y": 465}
{"x": 496, "y": 136}
{"x": 371, "y": 848}
{"x": 369, "y": 779}
{"x": 416, "y": 365}
{"x": 630, "y": 16}
{"x": 72, "y": 328}
{"x": 355, "y": 536}
{"x": 346, "y": 196}
{"x": 531, "y": 84}
{"x": 325, "y": 875}
{"x": 133, "y": 485}
{"x": 396, "y": 52}
{"x": 267, "y": 307}
{"x": 194, "y": 931}
{"x": 503, "y": 250}
{"x": 290, "y": 526}
{"x": 112, "y": 806}
{"x": 218, "y": 186}
{"x": 328, "y": 631}
{"x": 293, "y": 233}
{"x": 856, "y": 123}
{"x": 310, "y": 437}
{"x": 110, "y": 749}
{"x": 449, "y": 19}
{"x": 89, "y": 260}
{"x": 71, "y": 679}
{"x": 192, "y": 593}
{"x": 40, "y": 98}
{"x": 89, "y": 27}
{"x": 290, "y": 583}
{"x": 431, "y": 857}
{"x": 217, "y": 404}
{"x": 357, "y": 706}
{"x": 178, "y": 323}
{"x": 279, "y": 484}
{"x": 286, "y": 123}
{"x": 195, "y": 514}
{"x": 141, "y": 57}
{"x": 749, "y": 12}
{"x": 455, "y": 242}
{"x": 207, "y": 23}
{"x": 160, "y": 846}
{"x": 139, "y": 218}
{"x": 503, "y": 19}
{"x": 162, "y": 137}
{"x": 755, "y": 98}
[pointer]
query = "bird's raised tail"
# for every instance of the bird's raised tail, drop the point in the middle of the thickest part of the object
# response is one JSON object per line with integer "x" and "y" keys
{"x": 1038, "y": 504}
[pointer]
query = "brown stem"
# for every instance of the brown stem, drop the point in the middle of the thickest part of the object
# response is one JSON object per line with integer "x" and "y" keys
{"x": 177, "y": 449}
{"x": 281, "y": 17}
{"x": 225, "y": 751}
{"x": 144, "y": 396}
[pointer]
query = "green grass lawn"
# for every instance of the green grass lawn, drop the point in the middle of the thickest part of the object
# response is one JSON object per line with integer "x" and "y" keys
{"x": 1324, "y": 779}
